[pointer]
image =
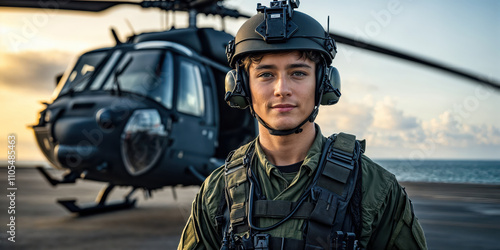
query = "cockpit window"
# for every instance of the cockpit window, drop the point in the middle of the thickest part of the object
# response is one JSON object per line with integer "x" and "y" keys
{"x": 190, "y": 96}
{"x": 145, "y": 72}
{"x": 79, "y": 76}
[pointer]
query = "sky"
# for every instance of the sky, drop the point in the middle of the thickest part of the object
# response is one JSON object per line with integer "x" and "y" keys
{"x": 403, "y": 110}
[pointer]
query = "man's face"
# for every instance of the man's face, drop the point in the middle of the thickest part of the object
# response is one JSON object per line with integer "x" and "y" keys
{"x": 282, "y": 87}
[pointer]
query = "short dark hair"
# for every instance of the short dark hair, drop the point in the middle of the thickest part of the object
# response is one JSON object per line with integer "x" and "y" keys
{"x": 314, "y": 56}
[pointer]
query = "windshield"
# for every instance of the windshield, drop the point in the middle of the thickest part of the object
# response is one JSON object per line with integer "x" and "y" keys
{"x": 144, "y": 72}
{"x": 78, "y": 78}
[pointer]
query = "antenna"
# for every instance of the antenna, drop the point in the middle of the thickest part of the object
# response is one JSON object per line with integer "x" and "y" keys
{"x": 328, "y": 24}
{"x": 130, "y": 26}
{"x": 173, "y": 20}
{"x": 223, "y": 24}
{"x": 115, "y": 36}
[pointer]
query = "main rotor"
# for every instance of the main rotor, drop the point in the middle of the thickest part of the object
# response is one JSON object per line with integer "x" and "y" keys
{"x": 193, "y": 7}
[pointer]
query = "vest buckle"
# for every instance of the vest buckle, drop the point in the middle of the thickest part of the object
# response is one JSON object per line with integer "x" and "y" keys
{"x": 261, "y": 241}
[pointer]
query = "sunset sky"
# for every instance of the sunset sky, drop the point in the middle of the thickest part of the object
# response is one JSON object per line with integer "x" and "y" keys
{"x": 403, "y": 110}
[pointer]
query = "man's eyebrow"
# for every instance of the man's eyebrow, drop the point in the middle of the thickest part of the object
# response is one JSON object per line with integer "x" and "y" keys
{"x": 265, "y": 66}
{"x": 291, "y": 66}
{"x": 298, "y": 65}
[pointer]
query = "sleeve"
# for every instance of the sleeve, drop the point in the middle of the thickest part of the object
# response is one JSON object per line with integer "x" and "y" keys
{"x": 200, "y": 231}
{"x": 407, "y": 232}
{"x": 397, "y": 227}
{"x": 388, "y": 219}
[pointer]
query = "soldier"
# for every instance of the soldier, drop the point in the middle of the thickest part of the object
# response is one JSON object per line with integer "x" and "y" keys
{"x": 292, "y": 188}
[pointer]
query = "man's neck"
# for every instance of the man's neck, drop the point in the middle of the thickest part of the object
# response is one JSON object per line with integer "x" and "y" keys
{"x": 288, "y": 149}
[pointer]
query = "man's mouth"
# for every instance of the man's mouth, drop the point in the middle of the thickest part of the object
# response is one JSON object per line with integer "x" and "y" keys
{"x": 283, "y": 107}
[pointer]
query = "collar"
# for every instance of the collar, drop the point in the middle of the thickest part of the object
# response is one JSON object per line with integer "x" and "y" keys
{"x": 310, "y": 162}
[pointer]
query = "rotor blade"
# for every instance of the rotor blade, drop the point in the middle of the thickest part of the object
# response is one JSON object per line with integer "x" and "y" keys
{"x": 404, "y": 56}
{"x": 92, "y": 6}
{"x": 222, "y": 11}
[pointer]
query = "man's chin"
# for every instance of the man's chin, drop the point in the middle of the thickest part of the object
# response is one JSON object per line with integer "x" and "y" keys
{"x": 286, "y": 126}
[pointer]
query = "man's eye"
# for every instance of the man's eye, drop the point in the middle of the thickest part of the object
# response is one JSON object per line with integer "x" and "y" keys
{"x": 299, "y": 73}
{"x": 265, "y": 75}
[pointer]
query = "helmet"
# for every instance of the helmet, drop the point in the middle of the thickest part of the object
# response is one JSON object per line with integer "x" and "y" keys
{"x": 307, "y": 35}
{"x": 279, "y": 28}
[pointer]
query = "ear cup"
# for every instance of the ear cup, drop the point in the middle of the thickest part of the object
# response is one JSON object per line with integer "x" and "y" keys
{"x": 331, "y": 90}
{"x": 235, "y": 93}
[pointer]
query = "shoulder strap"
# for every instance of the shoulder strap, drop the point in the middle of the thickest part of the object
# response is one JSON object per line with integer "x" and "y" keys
{"x": 339, "y": 163}
{"x": 237, "y": 187}
{"x": 333, "y": 191}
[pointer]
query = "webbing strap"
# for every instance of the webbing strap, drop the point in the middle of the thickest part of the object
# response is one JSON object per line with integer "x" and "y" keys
{"x": 345, "y": 142}
{"x": 280, "y": 209}
{"x": 237, "y": 188}
{"x": 332, "y": 192}
{"x": 339, "y": 164}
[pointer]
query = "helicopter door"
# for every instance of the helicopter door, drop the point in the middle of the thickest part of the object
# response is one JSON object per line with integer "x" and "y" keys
{"x": 193, "y": 128}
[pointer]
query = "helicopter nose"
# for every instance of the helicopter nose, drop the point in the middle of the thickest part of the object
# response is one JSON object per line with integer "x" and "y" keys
{"x": 74, "y": 156}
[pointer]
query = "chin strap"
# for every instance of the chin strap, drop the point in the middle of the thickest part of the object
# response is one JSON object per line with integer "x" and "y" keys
{"x": 283, "y": 132}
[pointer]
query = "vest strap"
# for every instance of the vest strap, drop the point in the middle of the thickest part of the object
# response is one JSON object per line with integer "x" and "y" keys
{"x": 236, "y": 190}
{"x": 279, "y": 209}
{"x": 333, "y": 192}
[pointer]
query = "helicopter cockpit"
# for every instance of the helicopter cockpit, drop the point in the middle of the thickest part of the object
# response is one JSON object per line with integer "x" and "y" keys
{"x": 146, "y": 72}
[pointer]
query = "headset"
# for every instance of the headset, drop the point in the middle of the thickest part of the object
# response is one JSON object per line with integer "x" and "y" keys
{"x": 238, "y": 89}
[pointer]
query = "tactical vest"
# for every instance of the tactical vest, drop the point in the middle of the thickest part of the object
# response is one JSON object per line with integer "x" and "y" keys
{"x": 324, "y": 204}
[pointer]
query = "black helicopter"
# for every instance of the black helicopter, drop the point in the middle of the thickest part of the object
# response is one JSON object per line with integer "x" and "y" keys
{"x": 146, "y": 113}
{"x": 150, "y": 112}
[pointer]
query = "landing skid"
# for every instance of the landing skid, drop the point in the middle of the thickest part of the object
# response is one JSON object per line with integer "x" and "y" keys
{"x": 100, "y": 205}
{"x": 67, "y": 178}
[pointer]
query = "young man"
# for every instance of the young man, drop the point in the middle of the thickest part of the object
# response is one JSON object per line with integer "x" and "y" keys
{"x": 292, "y": 188}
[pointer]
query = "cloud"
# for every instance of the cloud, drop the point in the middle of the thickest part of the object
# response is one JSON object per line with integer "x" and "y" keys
{"x": 32, "y": 70}
{"x": 360, "y": 118}
{"x": 388, "y": 117}
{"x": 346, "y": 117}
{"x": 383, "y": 125}
{"x": 445, "y": 130}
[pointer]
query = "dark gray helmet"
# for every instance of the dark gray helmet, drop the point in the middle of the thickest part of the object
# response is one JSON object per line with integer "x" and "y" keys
{"x": 302, "y": 33}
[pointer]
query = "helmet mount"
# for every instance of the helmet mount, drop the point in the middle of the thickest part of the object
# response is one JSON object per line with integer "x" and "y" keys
{"x": 277, "y": 26}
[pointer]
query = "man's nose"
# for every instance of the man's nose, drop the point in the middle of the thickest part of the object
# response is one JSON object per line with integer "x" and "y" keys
{"x": 282, "y": 86}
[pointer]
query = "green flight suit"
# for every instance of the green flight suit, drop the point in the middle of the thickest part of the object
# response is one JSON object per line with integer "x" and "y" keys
{"x": 388, "y": 221}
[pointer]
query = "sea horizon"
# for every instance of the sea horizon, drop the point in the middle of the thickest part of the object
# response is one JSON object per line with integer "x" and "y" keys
{"x": 474, "y": 171}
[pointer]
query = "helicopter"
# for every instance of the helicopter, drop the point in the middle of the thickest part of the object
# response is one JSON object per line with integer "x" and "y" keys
{"x": 116, "y": 119}
{"x": 150, "y": 112}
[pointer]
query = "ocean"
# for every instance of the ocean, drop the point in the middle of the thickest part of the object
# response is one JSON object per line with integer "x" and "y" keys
{"x": 444, "y": 171}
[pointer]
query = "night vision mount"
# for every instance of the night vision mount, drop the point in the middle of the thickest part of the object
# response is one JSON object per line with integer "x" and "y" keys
{"x": 277, "y": 26}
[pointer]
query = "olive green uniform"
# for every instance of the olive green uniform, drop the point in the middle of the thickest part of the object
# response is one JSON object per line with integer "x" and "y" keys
{"x": 388, "y": 221}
